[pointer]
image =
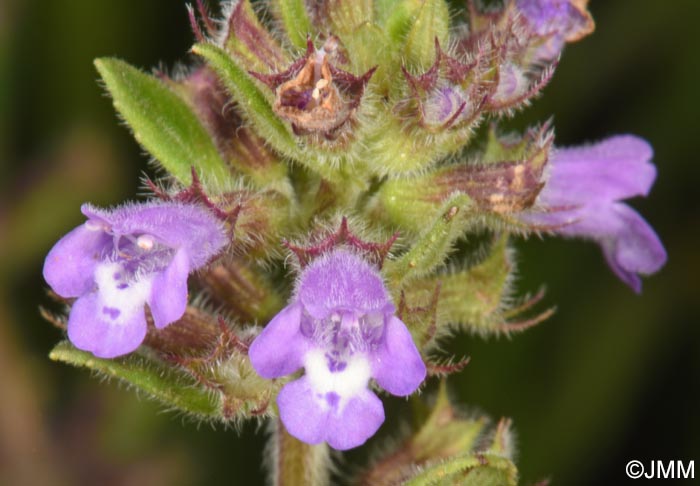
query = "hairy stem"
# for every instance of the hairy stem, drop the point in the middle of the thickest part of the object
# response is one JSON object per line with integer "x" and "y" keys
{"x": 292, "y": 462}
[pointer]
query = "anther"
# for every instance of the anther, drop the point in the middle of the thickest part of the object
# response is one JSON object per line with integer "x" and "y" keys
{"x": 145, "y": 242}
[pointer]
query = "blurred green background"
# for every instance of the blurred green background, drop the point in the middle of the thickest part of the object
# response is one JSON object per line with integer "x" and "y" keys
{"x": 611, "y": 377}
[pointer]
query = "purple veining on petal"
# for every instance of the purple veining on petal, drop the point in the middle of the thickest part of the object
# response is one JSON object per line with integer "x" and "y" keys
{"x": 443, "y": 106}
{"x": 340, "y": 327}
{"x": 123, "y": 258}
{"x": 334, "y": 365}
{"x": 332, "y": 399}
{"x": 581, "y": 199}
{"x": 302, "y": 412}
{"x": 102, "y": 335}
{"x": 111, "y": 312}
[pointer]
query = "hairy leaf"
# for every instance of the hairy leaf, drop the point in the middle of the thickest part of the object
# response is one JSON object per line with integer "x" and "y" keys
{"x": 295, "y": 20}
{"x": 251, "y": 100}
{"x": 432, "y": 246}
{"x": 162, "y": 122}
{"x": 149, "y": 376}
{"x": 431, "y": 22}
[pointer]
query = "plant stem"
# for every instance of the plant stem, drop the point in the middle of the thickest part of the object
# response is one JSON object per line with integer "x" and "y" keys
{"x": 293, "y": 462}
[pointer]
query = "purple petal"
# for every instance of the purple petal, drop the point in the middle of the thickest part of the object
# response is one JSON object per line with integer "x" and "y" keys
{"x": 314, "y": 418}
{"x": 512, "y": 83}
{"x": 280, "y": 347}
{"x": 630, "y": 245}
{"x": 70, "y": 264}
{"x": 397, "y": 365}
{"x": 176, "y": 225}
{"x": 443, "y": 105}
{"x": 342, "y": 280}
{"x": 168, "y": 299}
{"x": 301, "y": 413}
{"x": 104, "y": 330}
{"x": 556, "y": 17}
{"x": 580, "y": 199}
{"x": 616, "y": 168}
{"x": 634, "y": 249}
{"x": 359, "y": 420}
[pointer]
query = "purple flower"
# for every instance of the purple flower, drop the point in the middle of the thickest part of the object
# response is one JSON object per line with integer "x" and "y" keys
{"x": 581, "y": 198}
{"x": 560, "y": 21}
{"x": 512, "y": 84}
{"x": 444, "y": 107}
{"x": 340, "y": 327}
{"x": 119, "y": 260}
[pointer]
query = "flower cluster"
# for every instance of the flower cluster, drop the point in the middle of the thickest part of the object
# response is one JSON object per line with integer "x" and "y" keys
{"x": 359, "y": 112}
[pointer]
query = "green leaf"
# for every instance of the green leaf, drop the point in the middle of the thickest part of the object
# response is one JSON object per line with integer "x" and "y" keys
{"x": 162, "y": 122}
{"x": 347, "y": 15}
{"x": 396, "y": 17}
{"x": 149, "y": 376}
{"x": 365, "y": 47}
{"x": 468, "y": 470}
{"x": 250, "y": 99}
{"x": 294, "y": 19}
{"x": 431, "y": 247}
{"x": 431, "y": 22}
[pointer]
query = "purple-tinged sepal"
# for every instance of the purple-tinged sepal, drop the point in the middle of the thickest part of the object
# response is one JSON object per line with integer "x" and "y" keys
{"x": 340, "y": 327}
{"x": 315, "y": 96}
{"x": 582, "y": 198}
{"x": 523, "y": 41}
{"x": 254, "y": 216}
{"x": 449, "y": 94}
{"x": 121, "y": 259}
{"x": 506, "y": 180}
{"x": 518, "y": 75}
{"x": 319, "y": 244}
{"x": 247, "y": 40}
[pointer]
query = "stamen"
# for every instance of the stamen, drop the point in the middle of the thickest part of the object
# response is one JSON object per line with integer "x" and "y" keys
{"x": 320, "y": 84}
{"x": 145, "y": 242}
